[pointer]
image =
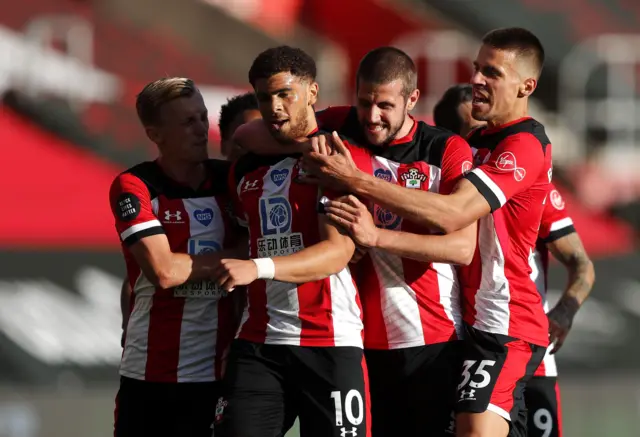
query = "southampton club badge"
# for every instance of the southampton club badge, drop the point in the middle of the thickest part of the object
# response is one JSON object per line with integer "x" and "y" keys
{"x": 413, "y": 178}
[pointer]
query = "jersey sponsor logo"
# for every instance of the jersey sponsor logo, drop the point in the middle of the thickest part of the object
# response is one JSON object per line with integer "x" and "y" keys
{"x": 280, "y": 245}
{"x": 556, "y": 200}
{"x": 249, "y": 186}
{"x": 383, "y": 174}
{"x": 279, "y": 176}
{"x": 385, "y": 218}
{"x": 200, "y": 290}
{"x": 413, "y": 178}
{"x": 128, "y": 207}
{"x": 506, "y": 162}
{"x": 204, "y": 216}
{"x": 173, "y": 217}
{"x": 196, "y": 246}
{"x": 466, "y": 167}
{"x": 275, "y": 221}
{"x": 275, "y": 215}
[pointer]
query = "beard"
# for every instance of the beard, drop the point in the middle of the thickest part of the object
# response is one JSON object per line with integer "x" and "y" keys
{"x": 387, "y": 134}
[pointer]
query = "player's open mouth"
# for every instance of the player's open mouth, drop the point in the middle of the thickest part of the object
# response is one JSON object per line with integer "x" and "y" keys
{"x": 479, "y": 98}
{"x": 373, "y": 128}
{"x": 277, "y": 124}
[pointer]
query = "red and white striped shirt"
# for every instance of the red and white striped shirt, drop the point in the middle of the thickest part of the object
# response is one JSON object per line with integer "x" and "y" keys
{"x": 178, "y": 334}
{"x": 282, "y": 219}
{"x": 513, "y": 174}
{"x": 555, "y": 224}
{"x": 406, "y": 303}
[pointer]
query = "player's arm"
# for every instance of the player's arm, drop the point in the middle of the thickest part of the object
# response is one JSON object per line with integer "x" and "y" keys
{"x": 143, "y": 234}
{"x": 569, "y": 250}
{"x": 255, "y": 137}
{"x": 167, "y": 269}
{"x": 319, "y": 261}
{"x": 457, "y": 247}
{"x": 447, "y": 213}
{"x": 329, "y": 256}
{"x": 483, "y": 190}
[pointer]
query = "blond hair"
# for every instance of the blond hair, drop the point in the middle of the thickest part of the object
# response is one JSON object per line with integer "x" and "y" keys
{"x": 155, "y": 94}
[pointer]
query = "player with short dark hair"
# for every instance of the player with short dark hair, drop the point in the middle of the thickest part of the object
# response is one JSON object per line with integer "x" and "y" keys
{"x": 237, "y": 111}
{"x": 387, "y": 64}
{"x": 409, "y": 288}
{"x": 298, "y": 352}
{"x": 453, "y": 111}
{"x": 558, "y": 236}
{"x": 170, "y": 217}
{"x": 506, "y": 330}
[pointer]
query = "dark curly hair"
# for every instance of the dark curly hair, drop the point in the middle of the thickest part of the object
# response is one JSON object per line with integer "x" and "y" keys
{"x": 282, "y": 59}
{"x": 230, "y": 110}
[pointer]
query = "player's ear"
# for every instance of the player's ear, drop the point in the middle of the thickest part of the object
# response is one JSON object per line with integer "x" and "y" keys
{"x": 313, "y": 93}
{"x": 412, "y": 100}
{"x": 154, "y": 134}
{"x": 527, "y": 87}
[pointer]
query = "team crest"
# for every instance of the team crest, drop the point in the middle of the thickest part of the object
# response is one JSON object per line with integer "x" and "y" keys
{"x": 219, "y": 414}
{"x": 413, "y": 178}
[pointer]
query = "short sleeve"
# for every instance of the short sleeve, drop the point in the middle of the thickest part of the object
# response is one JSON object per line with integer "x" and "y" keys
{"x": 131, "y": 207}
{"x": 237, "y": 210}
{"x": 333, "y": 117}
{"x": 456, "y": 162}
{"x": 555, "y": 222}
{"x": 514, "y": 166}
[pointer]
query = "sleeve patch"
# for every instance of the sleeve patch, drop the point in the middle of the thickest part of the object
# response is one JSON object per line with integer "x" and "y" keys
{"x": 128, "y": 207}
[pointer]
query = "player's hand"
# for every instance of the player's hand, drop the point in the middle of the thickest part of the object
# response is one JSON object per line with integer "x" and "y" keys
{"x": 352, "y": 215}
{"x": 560, "y": 321}
{"x": 231, "y": 273}
{"x": 358, "y": 254}
{"x": 329, "y": 164}
{"x": 322, "y": 144}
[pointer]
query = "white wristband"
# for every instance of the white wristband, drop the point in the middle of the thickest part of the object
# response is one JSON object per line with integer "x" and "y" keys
{"x": 266, "y": 268}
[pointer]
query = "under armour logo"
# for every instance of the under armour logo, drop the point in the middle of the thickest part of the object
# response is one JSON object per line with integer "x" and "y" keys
{"x": 352, "y": 433}
{"x": 250, "y": 185}
{"x": 168, "y": 216}
{"x": 467, "y": 395}
{"x": 507, "y": 162}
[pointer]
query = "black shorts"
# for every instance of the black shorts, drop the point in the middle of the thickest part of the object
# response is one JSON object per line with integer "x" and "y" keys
{"x": 413, "y": 390}
{"x": 268, "y": 386}
{"x": 542, "y": 396}
{"x": 495, "y": 370}
{"x": 159, "y": 409}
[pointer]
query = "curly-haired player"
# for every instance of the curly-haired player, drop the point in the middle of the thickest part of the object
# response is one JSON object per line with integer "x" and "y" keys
{"x": 299, "y": 351}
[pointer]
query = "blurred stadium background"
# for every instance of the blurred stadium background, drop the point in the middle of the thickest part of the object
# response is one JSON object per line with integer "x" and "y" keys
{"x": 69, "y": 73}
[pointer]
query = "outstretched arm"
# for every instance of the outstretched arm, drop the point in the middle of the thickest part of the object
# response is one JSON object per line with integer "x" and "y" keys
{"x": 313, "y": 263}
{"x": 455, "y": 248}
